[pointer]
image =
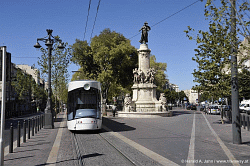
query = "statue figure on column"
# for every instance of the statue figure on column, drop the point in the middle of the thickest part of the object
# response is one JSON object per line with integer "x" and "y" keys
{"x": 140, "y": 74}
{"x": 147, "y": 75}
{"x": 152, "y": 75}
{"x": 144, "y": 35}
{"x": 136, "y": 76}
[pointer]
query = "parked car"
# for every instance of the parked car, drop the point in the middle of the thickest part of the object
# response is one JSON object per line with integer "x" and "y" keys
{"x": 213, "y": 109}
{"x": 191, "y": 107}
{"x": 244, "y": 106}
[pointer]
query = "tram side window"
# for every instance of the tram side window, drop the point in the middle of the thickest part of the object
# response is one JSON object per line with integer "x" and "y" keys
{"x": 71, "y": 107}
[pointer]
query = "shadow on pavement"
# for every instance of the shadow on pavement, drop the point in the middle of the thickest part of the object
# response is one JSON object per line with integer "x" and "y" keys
{"x": 225, "y": 122}
{"x": 177, "y": 113}
{"x": 115, "y": 126}
{"x": 59, "y": 119}
{"x": 246, "y": 143}
{"x": 109, "y": 123}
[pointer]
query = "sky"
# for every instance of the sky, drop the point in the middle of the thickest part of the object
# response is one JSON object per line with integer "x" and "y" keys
{"x": 23, "y": 21}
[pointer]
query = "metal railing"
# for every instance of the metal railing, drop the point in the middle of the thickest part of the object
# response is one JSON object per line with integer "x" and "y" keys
{"x": 32, "y": 125}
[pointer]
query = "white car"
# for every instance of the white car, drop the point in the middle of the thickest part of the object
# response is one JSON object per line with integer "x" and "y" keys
{"x": 246, "y": 108}
{"x": 213, "y": 109}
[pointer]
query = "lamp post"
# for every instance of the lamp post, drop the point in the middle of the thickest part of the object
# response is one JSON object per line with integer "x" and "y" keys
{"x": 49, "y": 41}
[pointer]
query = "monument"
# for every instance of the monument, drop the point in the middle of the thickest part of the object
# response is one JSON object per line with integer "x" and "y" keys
{"x": 144, "y": 102}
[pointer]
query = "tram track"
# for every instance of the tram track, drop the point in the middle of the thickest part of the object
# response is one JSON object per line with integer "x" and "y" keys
{"x": 79, "y": 148}
{"x": 78, "y": 153}
{"x": 119, "y": 151}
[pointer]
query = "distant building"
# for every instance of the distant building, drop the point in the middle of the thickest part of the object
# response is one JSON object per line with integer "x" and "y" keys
{"x": 193, "y": 96}
{"x": 33, "y": 72}
{"x": 13, "y": 108}
{"x": 171, "y": 86}
{"x": 243, "y": 52}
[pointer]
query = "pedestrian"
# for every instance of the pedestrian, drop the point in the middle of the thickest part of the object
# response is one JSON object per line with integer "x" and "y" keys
{"x": 114, "y": 110}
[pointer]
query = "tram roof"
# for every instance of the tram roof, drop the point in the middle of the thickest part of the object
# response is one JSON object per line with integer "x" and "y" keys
{"x": 80, "y": 84}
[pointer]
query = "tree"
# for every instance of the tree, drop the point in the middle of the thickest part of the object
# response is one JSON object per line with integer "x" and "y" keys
{"x": 214, "y": 46}
{"x": 27, "y": 89}
{"x": 172, "y": 96}
{"x": 160, "y": 76}
{"x": 22, "y": 85}
{"x": 244, "y": 84}
{"x": 109, "y": 58}
{"x": 59, "y": 63}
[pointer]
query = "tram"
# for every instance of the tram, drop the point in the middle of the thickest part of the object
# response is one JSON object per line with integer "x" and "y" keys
{"x": 84, "y": 108}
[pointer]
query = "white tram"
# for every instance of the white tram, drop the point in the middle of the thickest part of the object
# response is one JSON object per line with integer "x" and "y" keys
{"x": 84, "y": 110}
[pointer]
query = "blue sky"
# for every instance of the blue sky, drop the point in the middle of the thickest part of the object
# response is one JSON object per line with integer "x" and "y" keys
{"x": 23, "y": 21}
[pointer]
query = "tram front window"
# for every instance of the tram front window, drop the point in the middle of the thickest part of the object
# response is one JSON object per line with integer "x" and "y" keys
{"x": 84, "y": 104}
{"x": 85, "y": 113}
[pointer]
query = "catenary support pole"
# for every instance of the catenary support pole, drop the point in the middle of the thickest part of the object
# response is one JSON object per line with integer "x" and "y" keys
{"x": 236, "y": 126}
{"x": 3, "y": 50}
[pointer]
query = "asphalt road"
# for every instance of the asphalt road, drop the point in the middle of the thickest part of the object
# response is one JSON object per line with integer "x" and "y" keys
{"x": 189, "y": 137}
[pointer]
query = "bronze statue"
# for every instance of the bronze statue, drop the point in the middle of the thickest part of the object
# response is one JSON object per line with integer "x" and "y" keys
{"x": 144, "y": 35}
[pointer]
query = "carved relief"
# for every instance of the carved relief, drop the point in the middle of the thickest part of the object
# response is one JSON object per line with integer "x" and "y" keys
{"x": 141, "y": 77}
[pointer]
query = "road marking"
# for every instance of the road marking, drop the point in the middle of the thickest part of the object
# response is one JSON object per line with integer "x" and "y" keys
{"x": 191, "y": 146}
{"x": 223, "y": 146}
{"x": 54, "y": 151}
{"x": 158, "y": 158}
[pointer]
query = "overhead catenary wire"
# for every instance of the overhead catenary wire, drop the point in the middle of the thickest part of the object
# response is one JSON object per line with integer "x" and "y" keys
{"x": 170, "y": 16}
{"x": 87, "y": 20}
{"x": 95, "y": 19}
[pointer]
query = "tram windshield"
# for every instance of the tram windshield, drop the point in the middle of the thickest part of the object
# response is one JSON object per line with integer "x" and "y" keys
{"x": 84, "y": 103}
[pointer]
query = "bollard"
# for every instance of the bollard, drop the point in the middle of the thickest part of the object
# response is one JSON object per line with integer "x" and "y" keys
{"x": 35, "y": 126}
{"x": 43, "y": 121}
{"x": 28, "y": 128}
{"x": 240, "y": 120}
{"x": 11, "y": 139}
{"x": 38, "y": 120}
{"x": 24, "y": 131}
{"x": 18, "y": 133}
{"x": 32, "y": 126}
{"x": 244, "y": 122}
{"x": 248, "y": 125}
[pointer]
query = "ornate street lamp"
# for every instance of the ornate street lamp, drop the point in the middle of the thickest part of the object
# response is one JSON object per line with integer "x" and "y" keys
{"x": 49, "y": 41}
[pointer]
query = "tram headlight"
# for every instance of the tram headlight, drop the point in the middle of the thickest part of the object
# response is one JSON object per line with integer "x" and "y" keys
{"x": 86, "y": 86}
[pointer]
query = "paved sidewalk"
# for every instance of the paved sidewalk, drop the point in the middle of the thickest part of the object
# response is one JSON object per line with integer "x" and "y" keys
{"x": 224, "y": 131}
{"x": 36, "y": 151}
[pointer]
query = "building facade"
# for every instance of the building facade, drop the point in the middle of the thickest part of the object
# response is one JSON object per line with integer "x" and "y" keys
{"x": 193, "y": 96}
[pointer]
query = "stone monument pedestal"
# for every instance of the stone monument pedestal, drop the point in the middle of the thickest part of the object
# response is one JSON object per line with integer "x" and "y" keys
{"x": 144, "y": 98}
{"x": 144, "y": 102}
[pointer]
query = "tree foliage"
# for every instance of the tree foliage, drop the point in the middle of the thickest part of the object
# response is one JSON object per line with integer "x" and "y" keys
{"x": 244, "y": 84}
{"x": 160, "y": 76}
{"x": 214, "y": 46}
{"x": 109, "y": 58}
{"x": 172, "y": 96}
{"x": 59, "y": 64}
{"x": 25, "y": 86}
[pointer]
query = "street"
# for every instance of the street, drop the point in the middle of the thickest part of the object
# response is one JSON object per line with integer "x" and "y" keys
{"x": 186, "y": 138}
